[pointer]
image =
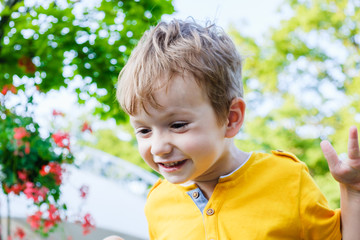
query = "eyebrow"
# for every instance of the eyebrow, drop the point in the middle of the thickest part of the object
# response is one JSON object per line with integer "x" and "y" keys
{"x": 134, "y": 121}
{"x": 168, "y": 115}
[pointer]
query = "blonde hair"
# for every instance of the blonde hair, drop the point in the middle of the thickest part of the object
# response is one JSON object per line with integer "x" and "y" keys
{"x": 180, "y": 47}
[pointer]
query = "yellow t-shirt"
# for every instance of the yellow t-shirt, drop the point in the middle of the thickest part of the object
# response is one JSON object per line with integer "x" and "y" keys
{"x": 272, "y": 196}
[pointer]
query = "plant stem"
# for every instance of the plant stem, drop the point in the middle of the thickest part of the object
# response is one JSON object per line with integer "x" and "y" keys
{"x": 0, "y": 222}
{"x": 8, "y": 216}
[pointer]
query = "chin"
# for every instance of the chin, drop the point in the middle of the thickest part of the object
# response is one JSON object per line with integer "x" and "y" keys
{"x": 175, "y": 180}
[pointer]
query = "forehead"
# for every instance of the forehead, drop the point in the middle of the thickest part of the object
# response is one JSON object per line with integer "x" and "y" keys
{"x": 181, "y": 93}
{"x": 181, "y": 88}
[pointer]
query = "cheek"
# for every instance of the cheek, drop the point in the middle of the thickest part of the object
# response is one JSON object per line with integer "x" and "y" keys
{"x": 204, "y": 143}
{"x": 199, "y": 145}
{"x": 140, "y": 146}
{"x": 144, "y": 151}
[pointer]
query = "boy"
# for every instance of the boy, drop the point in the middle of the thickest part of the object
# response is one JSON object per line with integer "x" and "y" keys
{"x": 182, "y": 89}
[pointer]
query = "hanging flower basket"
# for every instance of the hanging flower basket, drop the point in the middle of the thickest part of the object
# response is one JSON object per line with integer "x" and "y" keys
{"x": 32, "y": 165}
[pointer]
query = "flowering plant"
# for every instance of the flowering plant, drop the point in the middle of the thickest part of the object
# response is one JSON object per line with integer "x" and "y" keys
{"x": 32, "y": 165}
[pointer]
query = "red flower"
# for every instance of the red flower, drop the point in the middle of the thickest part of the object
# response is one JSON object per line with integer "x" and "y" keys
{"x": 4, "y": 90}
{"x": 27, "y": 148}
{"x": 23, "y": 61}
{"x": 54, "y": 218}
{"x": 86, "y": 127}
{"x": 8, "y": 87}
{"x": 13, "y": 89}
{"x": 19, "y": 233}
{"x": 62, "y": 139}
{"x": 43, "y": 170}
{"x": 54, "y": 214}
{"x": 57, "y": 113}
{"x": 35, "y": 220}
{"x": 84, "y": 190}
{"x": 16, "y": 188}
{"x": 20, "y": 133}
{"x": 22, "y": 175}
{"x": 29, "y": 189}
{"x": 35, "y": 193}
{"x": 30, "y": 67}
{"x": 26, "y": 62}
{"x": 53, "y": 168}
{"x": 88, "y": 224}
{"x": 48, "y": 224}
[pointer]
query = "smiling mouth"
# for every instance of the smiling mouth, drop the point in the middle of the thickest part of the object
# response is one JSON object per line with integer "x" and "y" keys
{"x": 173, "y": 164}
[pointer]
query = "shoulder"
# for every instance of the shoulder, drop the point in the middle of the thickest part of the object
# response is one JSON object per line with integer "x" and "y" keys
{"x": 159, "y": 186}
{"x": 156, "y": 185}
{"x": 153, "y": 196}
{"x": 290, "y": 158}
{"x": 276, "y": 165}
{"x": 166, "y": 199}
{"x": 163, "y": 189}
{"x": 283, "y": 154}
{"x": 279, "y": 158}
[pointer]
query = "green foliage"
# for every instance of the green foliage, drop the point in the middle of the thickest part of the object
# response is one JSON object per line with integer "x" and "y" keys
{"x": 56, "y": 42}
{"x": 303, "y": 83}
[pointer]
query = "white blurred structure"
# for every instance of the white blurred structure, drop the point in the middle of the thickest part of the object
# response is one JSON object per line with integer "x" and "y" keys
{"x": 116, "y": 198}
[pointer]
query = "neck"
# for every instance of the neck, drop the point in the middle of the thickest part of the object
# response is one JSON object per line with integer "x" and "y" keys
{"x": 207, "y": 188}
{"x": 234, "y": 159}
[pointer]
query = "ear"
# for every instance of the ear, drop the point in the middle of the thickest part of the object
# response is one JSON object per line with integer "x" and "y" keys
{"x": 236, "y": 117}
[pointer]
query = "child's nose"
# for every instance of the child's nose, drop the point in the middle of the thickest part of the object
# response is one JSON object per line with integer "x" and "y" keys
{"x": 160, "y": 145}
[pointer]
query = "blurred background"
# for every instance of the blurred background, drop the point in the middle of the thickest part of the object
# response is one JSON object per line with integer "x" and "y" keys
{"x": 69, "y": 167}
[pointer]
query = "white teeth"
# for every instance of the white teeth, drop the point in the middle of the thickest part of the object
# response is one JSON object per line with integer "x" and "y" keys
{"x": 171, "y": 164}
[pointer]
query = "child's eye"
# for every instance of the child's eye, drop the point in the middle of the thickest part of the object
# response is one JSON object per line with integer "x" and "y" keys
{"x": 143, "y": 131}
{"x": 179, "y": 125}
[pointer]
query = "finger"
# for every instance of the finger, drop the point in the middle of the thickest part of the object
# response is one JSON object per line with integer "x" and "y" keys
{"x": 353, "y": 144}
{"x": 330, "y": 154}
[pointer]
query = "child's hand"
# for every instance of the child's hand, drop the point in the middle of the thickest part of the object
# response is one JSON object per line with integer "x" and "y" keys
{"x": 347, "y": 171}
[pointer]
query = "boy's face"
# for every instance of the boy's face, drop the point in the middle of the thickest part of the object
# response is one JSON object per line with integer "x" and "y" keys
{"x": 182, "y": 140}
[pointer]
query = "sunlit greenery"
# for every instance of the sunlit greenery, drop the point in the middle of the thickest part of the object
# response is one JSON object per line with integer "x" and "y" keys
{"x": 303, "y": 83}
{"x": 54, "y": 42}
